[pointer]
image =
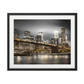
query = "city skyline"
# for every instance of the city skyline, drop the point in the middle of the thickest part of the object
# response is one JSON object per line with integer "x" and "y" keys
{"x": 46, "y": 26}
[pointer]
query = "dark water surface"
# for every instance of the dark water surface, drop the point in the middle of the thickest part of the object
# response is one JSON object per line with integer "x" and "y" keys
{"x": 42, "y": 59}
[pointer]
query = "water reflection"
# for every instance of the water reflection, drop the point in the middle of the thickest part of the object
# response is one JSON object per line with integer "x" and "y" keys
{"x": 56, "y": 56}
{"x": 18, "y": 59}
{"x": 42, "y": 59}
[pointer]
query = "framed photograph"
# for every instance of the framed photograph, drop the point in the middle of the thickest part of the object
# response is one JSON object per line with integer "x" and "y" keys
{"x": 42, "y": 41}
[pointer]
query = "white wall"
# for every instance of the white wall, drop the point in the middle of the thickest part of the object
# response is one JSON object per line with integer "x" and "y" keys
{"x": 41, "y": 77}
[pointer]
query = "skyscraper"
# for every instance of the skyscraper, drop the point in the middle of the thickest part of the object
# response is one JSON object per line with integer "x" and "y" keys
{"x": 66, "y": 38}
{"x": 27, "y": 33}
{"x": 56, "y": 34}
{"x": 41, "y": 34}
{"x": 62, "y": 35}
{"x": 59, "y": 40}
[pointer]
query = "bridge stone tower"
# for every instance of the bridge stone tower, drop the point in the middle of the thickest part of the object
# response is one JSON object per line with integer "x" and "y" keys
{"x": 54, "y": 49}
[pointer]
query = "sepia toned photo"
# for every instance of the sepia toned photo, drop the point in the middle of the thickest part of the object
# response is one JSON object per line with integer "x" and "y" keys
{"x": 42, "y": 41}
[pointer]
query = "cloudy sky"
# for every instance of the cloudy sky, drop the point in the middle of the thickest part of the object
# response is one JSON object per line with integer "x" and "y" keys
{"x": 46, "y": 26}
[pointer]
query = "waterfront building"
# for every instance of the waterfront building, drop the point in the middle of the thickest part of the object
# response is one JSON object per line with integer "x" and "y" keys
{"x": 31, "y": 37}
{"x": 25, "y": 37}
{"x": 53, "y": 41}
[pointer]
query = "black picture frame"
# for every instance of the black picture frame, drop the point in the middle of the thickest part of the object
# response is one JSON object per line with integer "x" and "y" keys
{"x": 40, "y": 69}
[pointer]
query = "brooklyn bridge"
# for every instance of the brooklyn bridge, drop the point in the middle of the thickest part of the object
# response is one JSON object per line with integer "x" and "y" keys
{"x": 27, "y": 46}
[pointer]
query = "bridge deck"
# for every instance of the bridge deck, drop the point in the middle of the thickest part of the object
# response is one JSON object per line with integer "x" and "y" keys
{"x": 33, "y": 42}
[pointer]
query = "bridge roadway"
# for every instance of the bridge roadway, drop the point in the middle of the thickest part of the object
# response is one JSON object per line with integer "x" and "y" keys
{"x": 33, "y": 42}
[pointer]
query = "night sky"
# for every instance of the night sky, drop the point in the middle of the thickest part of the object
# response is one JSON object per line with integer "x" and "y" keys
{"x": 46, "y": 26}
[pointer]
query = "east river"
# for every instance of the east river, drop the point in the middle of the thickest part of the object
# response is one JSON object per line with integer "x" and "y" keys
{"x": 43, "y": 59}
